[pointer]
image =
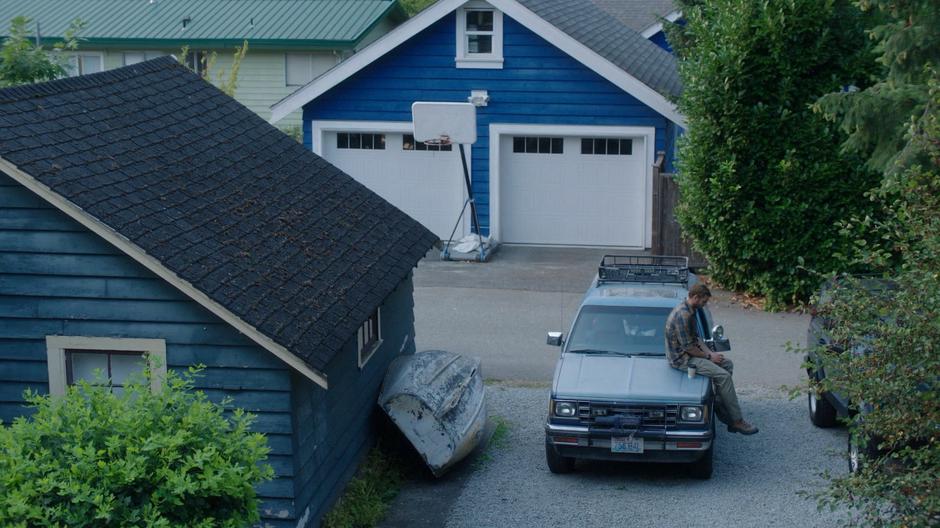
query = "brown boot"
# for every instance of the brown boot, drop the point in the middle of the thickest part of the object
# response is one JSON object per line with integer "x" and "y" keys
{"x": 742, "y": 427}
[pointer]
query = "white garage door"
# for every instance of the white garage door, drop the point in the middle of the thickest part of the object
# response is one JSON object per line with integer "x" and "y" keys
{"x": 573, "y": 190}
{"x": 425, "y": 182}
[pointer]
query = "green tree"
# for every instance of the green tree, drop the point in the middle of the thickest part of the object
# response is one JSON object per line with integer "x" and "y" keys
{"x": 896, "y": 123}
{"x": 95, "y": 458}
{"x": 24, "y": 61}
{"x": 413, "y": 7}
{"x": 762, "y": 184}
{"x": 226, "y": 81}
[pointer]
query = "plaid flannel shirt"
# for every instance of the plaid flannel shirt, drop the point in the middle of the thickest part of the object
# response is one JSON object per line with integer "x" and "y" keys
{"x": 680, "y": 334}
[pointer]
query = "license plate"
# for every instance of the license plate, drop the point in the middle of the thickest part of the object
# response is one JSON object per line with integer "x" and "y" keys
{"x": 626, "y": 444}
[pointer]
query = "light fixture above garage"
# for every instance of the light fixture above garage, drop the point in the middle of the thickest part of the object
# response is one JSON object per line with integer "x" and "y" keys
{"x": 479, "y": 97}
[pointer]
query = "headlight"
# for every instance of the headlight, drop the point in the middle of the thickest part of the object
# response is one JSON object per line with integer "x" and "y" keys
{"x": 566, "y": 409}
{"x": 691, "y": 414}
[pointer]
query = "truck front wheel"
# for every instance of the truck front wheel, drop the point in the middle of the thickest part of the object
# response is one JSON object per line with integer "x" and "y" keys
{"x": 556, "y": 463}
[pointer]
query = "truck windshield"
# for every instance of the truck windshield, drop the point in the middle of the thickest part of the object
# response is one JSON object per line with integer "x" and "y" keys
{"x": 619, "y": 329}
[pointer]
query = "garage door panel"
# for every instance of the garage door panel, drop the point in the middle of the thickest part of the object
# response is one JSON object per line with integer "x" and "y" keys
{"x": 426, "y": 185}
{"x": 571, "y": 198}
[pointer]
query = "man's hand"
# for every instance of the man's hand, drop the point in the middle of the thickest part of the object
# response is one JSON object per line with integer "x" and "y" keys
{"x": 716, "y": 357}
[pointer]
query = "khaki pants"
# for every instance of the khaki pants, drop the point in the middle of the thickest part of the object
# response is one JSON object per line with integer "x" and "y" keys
{"x": 727, "y": 408}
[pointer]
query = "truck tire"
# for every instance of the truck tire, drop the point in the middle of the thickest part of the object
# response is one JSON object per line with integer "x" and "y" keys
{"x": 703, "y": 467}
{"x": 821, "y": 412}
{"x": 556, "y": 463}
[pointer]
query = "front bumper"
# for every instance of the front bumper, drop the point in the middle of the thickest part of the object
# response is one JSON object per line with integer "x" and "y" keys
{"x": 671, "y": 445}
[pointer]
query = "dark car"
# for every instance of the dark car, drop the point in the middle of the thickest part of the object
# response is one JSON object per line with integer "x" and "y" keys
{"x": 832, "y": 408}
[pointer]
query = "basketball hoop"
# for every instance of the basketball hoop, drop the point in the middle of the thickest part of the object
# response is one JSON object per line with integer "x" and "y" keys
{"x": 437, "y": 142}
{"x": 444, "y": 124}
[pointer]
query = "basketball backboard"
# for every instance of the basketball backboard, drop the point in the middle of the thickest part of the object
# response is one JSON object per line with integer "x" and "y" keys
{"x": 457, "y": 122}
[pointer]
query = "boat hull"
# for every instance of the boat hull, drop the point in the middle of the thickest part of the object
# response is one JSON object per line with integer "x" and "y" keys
{"x": 438, "y": 401}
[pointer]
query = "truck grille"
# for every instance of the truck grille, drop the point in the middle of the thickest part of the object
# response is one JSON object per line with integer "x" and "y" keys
{"x": 649, "y": 415}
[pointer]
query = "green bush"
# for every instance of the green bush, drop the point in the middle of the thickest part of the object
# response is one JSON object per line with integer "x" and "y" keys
{"x": 763, "y": 185}
{"x": 895, "y": 124}
{"x": 92, "y": 458}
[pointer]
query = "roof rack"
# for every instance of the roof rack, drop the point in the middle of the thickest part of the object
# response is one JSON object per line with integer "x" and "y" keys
{"x": 624, "y": 268}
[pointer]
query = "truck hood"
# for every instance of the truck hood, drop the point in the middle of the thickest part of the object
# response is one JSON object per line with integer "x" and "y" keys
{"x": 619, "y": 378}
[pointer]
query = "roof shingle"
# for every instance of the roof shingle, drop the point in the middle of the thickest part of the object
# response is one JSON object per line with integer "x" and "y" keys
{"x": 264, "y": 227}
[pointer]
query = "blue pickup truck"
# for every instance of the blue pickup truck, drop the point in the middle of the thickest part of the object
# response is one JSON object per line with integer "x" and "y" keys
{"x": 614, "y": 395}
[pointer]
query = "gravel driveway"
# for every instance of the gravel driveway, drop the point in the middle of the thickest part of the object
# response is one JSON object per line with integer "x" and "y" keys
{"x": 500, "y": 312}
{"x": 755, "y": 483}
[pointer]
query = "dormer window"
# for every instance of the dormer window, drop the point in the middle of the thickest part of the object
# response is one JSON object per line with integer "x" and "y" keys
{"x": 479, "y": 36}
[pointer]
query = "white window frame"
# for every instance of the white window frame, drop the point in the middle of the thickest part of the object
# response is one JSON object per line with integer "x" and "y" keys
{"x": 464, "y": 59}
{"x": 156, "y": 54}
{"x": 57, "y": 345}
{"x": 367, "y": 350}
{"x": 78, "y": 61}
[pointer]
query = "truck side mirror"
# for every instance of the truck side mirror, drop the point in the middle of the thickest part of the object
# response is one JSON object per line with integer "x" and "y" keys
{"x": 555, "y": 338}
{"x": 718, "y": 332}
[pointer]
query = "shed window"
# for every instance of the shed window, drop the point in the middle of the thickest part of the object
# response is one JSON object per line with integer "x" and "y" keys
{"x": 479, "y": 36}
{"x": 538, "y": 145}
{"x": 369, "y": 337}
{"x": 133, "y": 57}
{"x": 74, "y": 358}
{"x": 408, "y": 143}
{"x": 360, "y": 140}
{"x": 607, "y": 146}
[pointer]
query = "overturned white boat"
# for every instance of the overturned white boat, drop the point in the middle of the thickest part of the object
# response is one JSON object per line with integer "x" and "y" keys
{"x": 438, "y": 400}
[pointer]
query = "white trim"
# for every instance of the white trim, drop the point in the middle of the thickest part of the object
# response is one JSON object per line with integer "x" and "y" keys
{"x": 658, "y": 26}
{"x": 362, "y": 356}
{"x": 77, "y": 53}
{"x": 492, "y": 60}
{"x": 137, "y": 253}
{"x": 524, "y": 16}
{"x": 499, "y": 129}
{"x": 57, "y": 345}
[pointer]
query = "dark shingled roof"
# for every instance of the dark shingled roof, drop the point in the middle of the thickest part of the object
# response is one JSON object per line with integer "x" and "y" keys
{"x": 638, "y": 14}
{"x": 261, "y": 225}
{"x": 613, "y": 40}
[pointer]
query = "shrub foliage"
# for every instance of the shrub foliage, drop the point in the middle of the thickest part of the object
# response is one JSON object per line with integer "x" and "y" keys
{"x": 896, "y": 125}
{"x": 762, "y": 183}
{"x": 138, "y": 458}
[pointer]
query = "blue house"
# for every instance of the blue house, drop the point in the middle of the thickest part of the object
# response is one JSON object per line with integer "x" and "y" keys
{"x": 146, "y": 215}
{"x": 573, "y": 109}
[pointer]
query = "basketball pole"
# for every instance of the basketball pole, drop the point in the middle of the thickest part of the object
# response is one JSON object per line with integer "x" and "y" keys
{"x": 474, "y": 221}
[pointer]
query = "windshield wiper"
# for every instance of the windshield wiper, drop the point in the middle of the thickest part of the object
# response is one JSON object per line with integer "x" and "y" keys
{"x": 596, "y": 351}
{"x": 654, "y": 354}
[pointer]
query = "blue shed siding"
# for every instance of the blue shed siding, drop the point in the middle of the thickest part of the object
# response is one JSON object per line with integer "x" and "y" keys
{"x": 335, "y": 428}
{"x": 538, "y": 84}
{"x": 57, "y": 278}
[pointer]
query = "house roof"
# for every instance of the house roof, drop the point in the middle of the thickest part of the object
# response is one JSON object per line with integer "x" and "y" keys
{"x": 264, "y": 23}
{"x": 612, "y": 39}
{"x": 240, "y": 217}
{"x": 638, "y": 15}
{"x": 577, "y": 27}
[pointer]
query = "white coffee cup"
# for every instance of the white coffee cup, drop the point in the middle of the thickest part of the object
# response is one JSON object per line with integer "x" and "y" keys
{"x": 691, "y": 369}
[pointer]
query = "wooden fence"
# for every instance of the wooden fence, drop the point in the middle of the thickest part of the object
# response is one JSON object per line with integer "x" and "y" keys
{"x": 667, "y": 235}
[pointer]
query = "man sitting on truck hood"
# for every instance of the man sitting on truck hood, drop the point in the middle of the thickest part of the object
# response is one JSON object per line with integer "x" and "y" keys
{"x": 684, "y": 350}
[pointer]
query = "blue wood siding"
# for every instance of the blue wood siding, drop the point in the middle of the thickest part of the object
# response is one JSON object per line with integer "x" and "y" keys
{"x": 660, "y": 40}
{"x": 538, "y": 84}
{"x": 57, "y": 278}
{"x": 335, "y": 428}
